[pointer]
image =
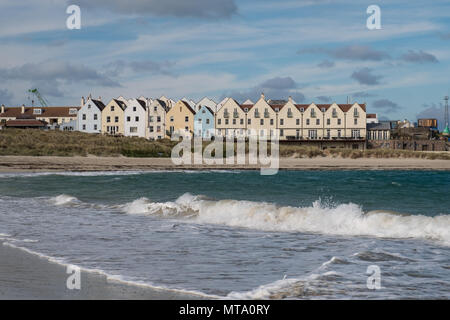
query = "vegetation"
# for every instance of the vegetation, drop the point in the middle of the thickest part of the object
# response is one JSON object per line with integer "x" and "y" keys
{"x": 32, "y": 142}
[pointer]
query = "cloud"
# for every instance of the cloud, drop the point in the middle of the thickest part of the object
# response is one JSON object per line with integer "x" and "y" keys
{"x": 435, "y": 111}
{"x": 444, "y": 36}
{"x": 362, "y": 94}
{"x": 365, "y": 76}
{"x": 324, "y": 98}
{"x": 350, "y": 52}
{"x": 5, "y": 97}
{"x": 218, "y": 9}
{"x": 418, "y": 57}
{"x": 117, "y": 67}
{"x": 386, "y": 105}
{"x": 273, "y": 88}
{"x": 57, "y": 71}
{"x": 326, "y": 64}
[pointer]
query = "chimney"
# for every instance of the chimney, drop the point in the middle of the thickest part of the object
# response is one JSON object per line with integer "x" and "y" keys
{"x": 82, "y": 101}
{"x": 3, "y": 109}
{"x": 262, "y": 96}
{"x": 22, "y": 109}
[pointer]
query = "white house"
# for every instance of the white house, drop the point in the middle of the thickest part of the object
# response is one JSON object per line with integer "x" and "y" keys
{"x": 136, "y": 120}
{"x": 89, "y": 118}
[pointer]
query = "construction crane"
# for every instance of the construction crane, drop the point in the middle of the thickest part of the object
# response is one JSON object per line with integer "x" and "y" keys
{"x": 42, "y": 100}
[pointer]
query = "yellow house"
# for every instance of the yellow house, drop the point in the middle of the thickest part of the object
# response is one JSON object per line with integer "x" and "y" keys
{"x": 113, "y": 117}
{"x": 180, "y": 118}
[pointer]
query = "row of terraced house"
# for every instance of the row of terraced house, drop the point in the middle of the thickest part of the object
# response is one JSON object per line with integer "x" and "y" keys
{"x": 159, "y": 118}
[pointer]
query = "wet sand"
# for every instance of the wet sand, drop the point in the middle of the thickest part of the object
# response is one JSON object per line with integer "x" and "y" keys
{"x": 27, "y": 276}
{"x": 39, "y": 164}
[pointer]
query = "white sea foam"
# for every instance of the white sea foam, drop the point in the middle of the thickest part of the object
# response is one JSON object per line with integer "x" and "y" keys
{"x": 344, "y": 219}
{"x": 63, "y": 199}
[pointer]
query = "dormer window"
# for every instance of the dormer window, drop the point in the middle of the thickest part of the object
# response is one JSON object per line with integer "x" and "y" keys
{"x": 246, "y": 109}
{"x": 73, "y": 111}
{"x": 323, "y": 109}
{"x": 277, "y": 109}
{"x": 302, "y": 109}
{"x": 37, "y": 111}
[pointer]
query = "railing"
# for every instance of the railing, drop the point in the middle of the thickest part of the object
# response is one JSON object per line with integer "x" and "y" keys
{"x": 257, "y": 115}
{"x": 235, "y": 114}
{"x": 226, "y": 115}
{"x": 266, "y": 114}
{"x": 289, "y": 114}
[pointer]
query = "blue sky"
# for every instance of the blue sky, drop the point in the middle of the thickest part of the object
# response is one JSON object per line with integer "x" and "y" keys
{"x": 314, "y": 50}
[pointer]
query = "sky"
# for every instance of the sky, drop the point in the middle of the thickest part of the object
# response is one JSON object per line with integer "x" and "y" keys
{"x": 313, "y": 50}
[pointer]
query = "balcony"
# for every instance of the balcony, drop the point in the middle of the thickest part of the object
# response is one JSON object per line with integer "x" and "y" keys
{"x": 289, "y": 114}
{"x": 257, "y": 115}
{"x": 235, "y": 114}
{"x": 266, "y": 115}
{"x": 226, "y": 114}
{"x": 334, "y": 114}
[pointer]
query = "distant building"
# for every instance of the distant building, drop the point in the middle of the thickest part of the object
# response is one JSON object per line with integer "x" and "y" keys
{"x": 372, "y": 118}
{"x": 379, "y": 131}
{"x": 53, "y": 116}
{"x": 428, "y": 123}
{"x": 180, "y": 118}
{"x": 113, "y": 117}
{"x": 206, "y": 102}
{"x": 157, "y": 119}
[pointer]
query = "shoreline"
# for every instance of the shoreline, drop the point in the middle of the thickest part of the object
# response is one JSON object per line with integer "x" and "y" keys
{"x": 10, "y": 164}
{"x": 27, "y": 276}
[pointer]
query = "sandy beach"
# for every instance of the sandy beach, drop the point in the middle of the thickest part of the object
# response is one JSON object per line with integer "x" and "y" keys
{"x": 39, "y": 164}
{"x": 27, "y": 276}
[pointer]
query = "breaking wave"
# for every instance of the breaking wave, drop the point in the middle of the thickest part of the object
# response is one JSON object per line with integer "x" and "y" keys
{"x": 344, "y": 219}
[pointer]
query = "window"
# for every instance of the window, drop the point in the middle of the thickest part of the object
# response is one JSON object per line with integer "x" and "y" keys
{"x": 249, "y": 121}
{"x": 226, "y": 121}
{"x": 150, "y": 119}
{"x": 155, "y": 109}
{"x": 116, "y": 119}
{"x": 355, "y": 121}
{"x": 95, "y": 116}
{"x": 261, "y": 122}
{"x": 134, "y": 109}
{"x": 186, "y": 119}
{"x": 242, "y": 121}
{"x": 112, "y": 108}
{"x": 246, "y": 109}
{"x": 297, "y": 122}
{"x": 317, "y": 121}
{"x": 312, "y": 134}
{"x": 271, "y": 122}
{"x": 83, "y": 116}
{"x": 339, "y": 122}
{"x": 133, "y": 129}
{"x": 74, "y": 110}
{"x": 234, "y": 121}
{"x": 323, "y": 109}
{"x": 158, "y": 128}
{"x": 219, "y": 121}
{"x": 339, "y": 133}
{"x": 84, "y": 127}
{"x": 207, "y": 121}
{"x": 151, "y": 128}
{"x": 328, "y": 133}
{"x": 108, "y": 119}
{"x": 95, "y": 127}
{"x": 128, "y": 119}
{"x": 277, "y": 109}
{"x": 171, "y": 119}
{"x": 302, "y": 109}
{"x": 307, "y": 122}
{"x": 136, "y": 119}
{"x": 281, "y": 132}
{"x": 328, "y": 122}
{"x": 186, "y": 129}
{"x": 356, "y": 134}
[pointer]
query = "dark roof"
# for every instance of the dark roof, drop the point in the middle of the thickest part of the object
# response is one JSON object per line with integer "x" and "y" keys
{"x": 50, "y": 112}
{"x": 25, "y": 123}
{"x": 188, "y": 106}
{"x": 121, "y": 104}
{"x": 99, "y": 104}
{"x": 142, "y": 103}
{"x": 371, "y": 115}
{"x": 379, "y": 126}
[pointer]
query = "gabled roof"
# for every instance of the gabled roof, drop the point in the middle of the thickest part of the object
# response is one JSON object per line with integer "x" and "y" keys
{"x": 121, "y": 104}
{"x": 98, "y": 103}
{"x": 371, "y": 116}
{"x": 187, "y": 106}
{"x": 207, "y": 108}
{"x": 142, "y": 103}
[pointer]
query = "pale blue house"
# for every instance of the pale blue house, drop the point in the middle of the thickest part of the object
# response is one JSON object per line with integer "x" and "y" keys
{"x": 204, "y": 123}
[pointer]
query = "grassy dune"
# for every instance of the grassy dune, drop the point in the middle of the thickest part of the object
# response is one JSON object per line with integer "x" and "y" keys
{"x": 57, "y": 143}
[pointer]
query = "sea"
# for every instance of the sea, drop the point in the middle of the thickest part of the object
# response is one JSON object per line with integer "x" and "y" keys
{"x": 238, "y": 234}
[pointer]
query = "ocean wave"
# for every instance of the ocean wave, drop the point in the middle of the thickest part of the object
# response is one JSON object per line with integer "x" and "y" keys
{"x": 344, "y": 219}
{"x": 63, "y": 199}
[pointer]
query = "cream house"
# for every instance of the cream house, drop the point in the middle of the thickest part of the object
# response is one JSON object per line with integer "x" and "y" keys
{"x": 231, "y": 119}
{"x": 289, "y": 121}
{"x": 180, "y": 118}
{"x": 262, "y": 118}
{"x": 157, "y": 119}
{"x": 113, "y": 117}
